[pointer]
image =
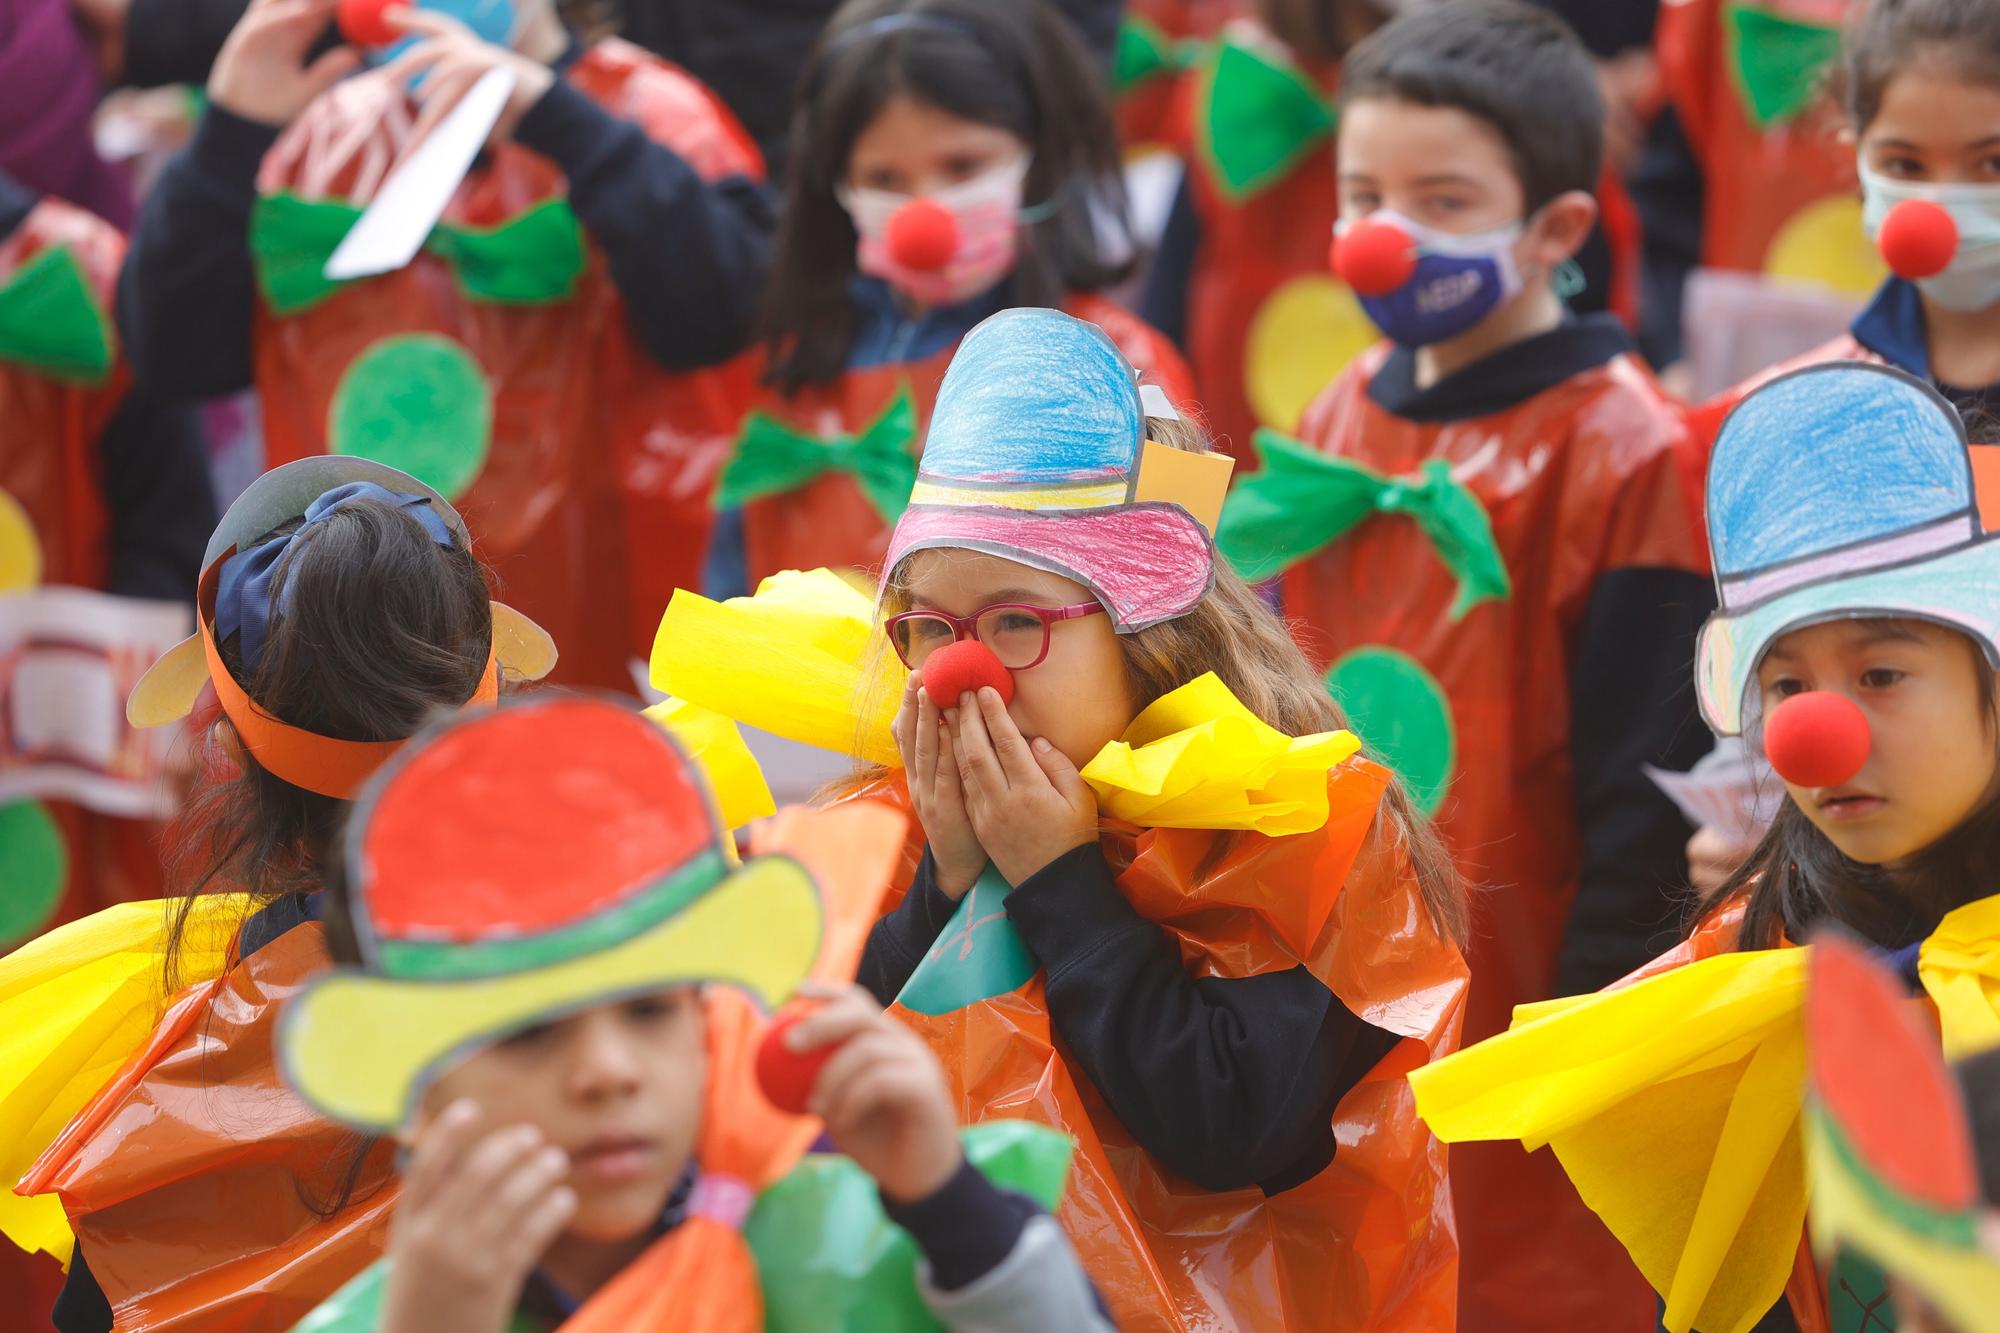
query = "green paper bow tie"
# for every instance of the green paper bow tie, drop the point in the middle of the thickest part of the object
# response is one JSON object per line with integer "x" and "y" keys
{"x": 774, "y": 459}
{"x": 1256, "y": 118}
{"x": 1144, "y": 52}
{"x": 51, "y": 319}
{"x": 532, "y": 259}
{"x": 1777, "y": 62}
{"x": 1301, "y": 501}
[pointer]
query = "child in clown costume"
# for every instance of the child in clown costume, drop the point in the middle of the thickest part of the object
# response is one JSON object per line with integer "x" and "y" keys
{"x": 1161, "y": 866}
{"x": 531, "y": 361}
{"x": 1486, "y": 540}
{"x": 562, "y": 1025}
{"x": 1858, "y": 635}
{"x": 950, "y": 158}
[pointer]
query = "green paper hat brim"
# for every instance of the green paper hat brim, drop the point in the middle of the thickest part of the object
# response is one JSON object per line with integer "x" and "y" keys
{"x": 1958, "y": 590}
{"x": 361, "y": 1048}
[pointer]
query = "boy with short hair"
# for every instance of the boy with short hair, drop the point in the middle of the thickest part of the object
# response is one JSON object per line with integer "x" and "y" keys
{"x": 1488, "y": 537}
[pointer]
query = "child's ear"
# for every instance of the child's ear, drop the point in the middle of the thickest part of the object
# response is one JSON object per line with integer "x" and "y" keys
{"x": 1561, "y": 229}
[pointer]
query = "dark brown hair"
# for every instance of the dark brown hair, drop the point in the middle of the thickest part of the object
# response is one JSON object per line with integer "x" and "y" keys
{"x": 1018, "y": 66}
{"x": 384, "y": 627}
{"x": 1797, "y": 878}
{"x": 1892, "y": 36}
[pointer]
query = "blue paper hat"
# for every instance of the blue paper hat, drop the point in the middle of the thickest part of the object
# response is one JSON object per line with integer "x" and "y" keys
{"x": 1841, "y": 491}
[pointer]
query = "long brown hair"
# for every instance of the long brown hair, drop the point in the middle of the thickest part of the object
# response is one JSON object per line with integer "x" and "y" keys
{"x": 384, "y": 627}
{"x": 1235, "y": 635}
{"x": 1891, "y": 37}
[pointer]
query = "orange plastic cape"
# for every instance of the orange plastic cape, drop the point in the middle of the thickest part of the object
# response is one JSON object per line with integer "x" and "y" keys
{"x": 829, "y": 521}
{"x": 1588, "y": 476}
{"x": 1366, "y": 1244}
{"x": 51, "y": 468}
{"x": 592, "y": 499}
{"x": 190, "y": 1179}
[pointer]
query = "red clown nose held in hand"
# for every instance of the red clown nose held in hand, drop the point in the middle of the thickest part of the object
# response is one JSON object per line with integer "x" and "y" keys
{"x": 1374, "y": 258}
{"x": 785, "y": 1076}
{"x": 1918, "y": 239}
{"x": 1817, "y": 740}
{"x": 962, "y": 667}
{"x": 366, "y": 22}
{"x": 922, "y": 235}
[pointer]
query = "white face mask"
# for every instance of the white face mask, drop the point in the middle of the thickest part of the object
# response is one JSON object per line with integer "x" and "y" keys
{"x": 987, "y": 209}
{"x": 1972, "y": 282}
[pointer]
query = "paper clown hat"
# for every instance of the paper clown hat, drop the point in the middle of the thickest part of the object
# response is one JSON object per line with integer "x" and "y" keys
{"x": 323, "y": 764}
{"x": 1037, "y": 452}
{"x": 1890, "y": 1150}
{"x": 1840, "y": 491}
{"x": 516, "y": 865}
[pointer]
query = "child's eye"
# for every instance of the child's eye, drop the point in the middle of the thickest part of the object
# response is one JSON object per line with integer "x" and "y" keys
{"x": 528, "y": 1039}
{"x": 1990, "y": 166}
{"x": 1785, "y": 687}
{"x": 1903, "y": 168}
{"x": 1881, "y": 678}
{"x": 654, "y": 1008}
{"x": 1362, "y": 202}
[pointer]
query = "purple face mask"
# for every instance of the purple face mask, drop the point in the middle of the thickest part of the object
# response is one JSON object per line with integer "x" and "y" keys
{"x": 49, "y": 87}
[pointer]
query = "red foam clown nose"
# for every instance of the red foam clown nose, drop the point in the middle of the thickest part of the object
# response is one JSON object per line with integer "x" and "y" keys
{"x": 365, "y": 22}
{"x": 785, "y": 1076}
{"x": 1817, "y": 740}
{"x": 1918, "y": 239}
{"x": 962, "y": 667}
{"x": 1374, "y": 258}
{"x": 922, "y": 235}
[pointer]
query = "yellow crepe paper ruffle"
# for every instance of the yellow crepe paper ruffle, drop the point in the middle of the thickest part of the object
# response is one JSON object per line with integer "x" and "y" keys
{"x": 716, "y": 746}
{"x": 1675, "y": 1106}
{"x": 75, "y": 1004}
{"x": 1197, "y": 758}
{"x": 791, "y": 660}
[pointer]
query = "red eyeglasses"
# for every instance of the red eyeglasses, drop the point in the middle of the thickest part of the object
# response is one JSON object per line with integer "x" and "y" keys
{"x": 1017, "y": 633}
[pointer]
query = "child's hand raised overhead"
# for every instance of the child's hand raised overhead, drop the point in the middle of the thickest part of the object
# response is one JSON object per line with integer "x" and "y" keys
{"x": 924, "y": 739}
{"x": 262, "y": 72}
{"x": 882, "y": 1094}
{"x": 1027, "y": 803}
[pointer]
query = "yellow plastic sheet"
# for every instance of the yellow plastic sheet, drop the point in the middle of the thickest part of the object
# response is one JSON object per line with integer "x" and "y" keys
{"x": 1198, "y": 759}
{"x": 74, "y": 1005}
{"x": 1960, "y": 968}
{"x": 793, "y": 660}
{"x": 1673, "y": 1104}
{"x": 716, "y": 745}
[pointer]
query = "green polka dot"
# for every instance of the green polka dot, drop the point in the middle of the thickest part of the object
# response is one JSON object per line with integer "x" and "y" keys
{"x": 34, "y": 867}
{"x": 1400, "y": 712}
{"x": 419, "y": 403}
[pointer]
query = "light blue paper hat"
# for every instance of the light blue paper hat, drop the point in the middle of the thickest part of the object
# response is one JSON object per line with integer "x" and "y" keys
{"x": 1841, "y": 491}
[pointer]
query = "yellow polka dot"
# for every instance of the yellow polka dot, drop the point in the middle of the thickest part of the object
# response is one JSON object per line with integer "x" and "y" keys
{"x": 1300, "y": 339}
{"x": 1824, "y": 243}
{"x": 20, "y": 553}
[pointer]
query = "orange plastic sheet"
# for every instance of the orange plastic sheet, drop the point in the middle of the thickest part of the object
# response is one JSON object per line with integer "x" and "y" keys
{"x": 588, "y": 487}
{"x": 1366, "y": 1244}
{"x": 1587, "y": 477}
{"x": 830, "y": 521}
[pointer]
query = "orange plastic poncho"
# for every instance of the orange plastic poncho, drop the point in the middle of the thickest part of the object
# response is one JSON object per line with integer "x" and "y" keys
{"x": 1588, "y": 476}
{"x": 584, "y": 469}
{"x": 1366, "y": 1244}
{"x": 831, "y": 521}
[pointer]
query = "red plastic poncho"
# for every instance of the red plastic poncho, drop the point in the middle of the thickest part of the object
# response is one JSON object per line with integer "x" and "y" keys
{"x": 883, "y": 412}
{"x": 1587, "y": 476}
{"x": 584, "y": 470}
{"x": 1366, "y": 1244}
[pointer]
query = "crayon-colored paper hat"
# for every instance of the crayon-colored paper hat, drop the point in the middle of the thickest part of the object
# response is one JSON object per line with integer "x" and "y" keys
{"x": 324, "y": 764}
{"x": 517, "y": 865}
{"x": 1841, "y": 491}
{"x": 1037, "y": 452}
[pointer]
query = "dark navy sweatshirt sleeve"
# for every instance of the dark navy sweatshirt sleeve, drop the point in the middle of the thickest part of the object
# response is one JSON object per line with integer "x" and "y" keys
{"x": 1632, "y": 703}
{"x": 1230, "y": 1081}
{"x": 900, "y": 940}
{"x": 688, "y": 255}
{"x": 187, "y": 294}
{"x": 156, "y": 486}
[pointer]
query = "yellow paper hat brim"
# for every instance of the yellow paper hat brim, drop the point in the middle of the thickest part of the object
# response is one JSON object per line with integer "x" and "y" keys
{"x": 362, "y": 1047}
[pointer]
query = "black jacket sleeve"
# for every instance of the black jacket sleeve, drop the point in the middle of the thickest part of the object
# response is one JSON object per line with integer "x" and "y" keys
{"x": 187, "y": 294}
{"x": 1229, "y": 1081}
{"x": 156, "y": 487}
{"x": 900, "y": 940}
{"x": 688, "y": 256}
{"x": 1632, "y": 703}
